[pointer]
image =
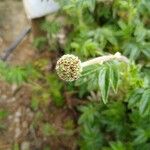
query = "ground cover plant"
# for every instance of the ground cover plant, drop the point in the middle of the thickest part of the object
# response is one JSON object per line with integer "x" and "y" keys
{"x": 108, "y": 106}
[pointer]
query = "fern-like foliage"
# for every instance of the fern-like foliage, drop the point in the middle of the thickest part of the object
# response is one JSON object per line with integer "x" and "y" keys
{"x": 16, "y": 74}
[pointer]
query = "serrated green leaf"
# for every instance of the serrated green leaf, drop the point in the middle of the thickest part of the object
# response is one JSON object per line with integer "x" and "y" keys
{"x": 144, "y": 106}
{"x": 104, "y": 83}
{"x": 132, "y": 49}
{"x": 91, "y": 4}
{"x": 146, "y": 50}
{"x": 117, "y": 146}
{"x": 135, "y": 97}
{"x": 140, "y": 136}
{"x": 16, "y": 75}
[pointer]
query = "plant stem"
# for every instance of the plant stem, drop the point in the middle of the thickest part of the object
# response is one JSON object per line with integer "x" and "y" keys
{"x": 102, "y": 59}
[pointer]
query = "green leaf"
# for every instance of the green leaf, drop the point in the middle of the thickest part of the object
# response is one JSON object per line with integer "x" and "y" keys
{"x": 16, "y": 75}
{"x": 91, "y": 138}
{"x": 140, "y": 136}
{"x": 39, "y": 42}
{"x": 135, "y": 97}
{"x": 132, "y": 49}
{"x": 145, "y": 103}
{"x": 89, "y": 112}
{"x": 114, "y": 76}
{"x": 146, "y": 49}
{"x": 52, "y": 27}
{"x": 104, "y": 83}
{"x": 91, "y": 4}
{"x": 117, "y": 146}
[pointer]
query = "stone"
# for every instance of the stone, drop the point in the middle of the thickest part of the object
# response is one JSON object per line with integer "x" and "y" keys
{"x": 25, "y": 145}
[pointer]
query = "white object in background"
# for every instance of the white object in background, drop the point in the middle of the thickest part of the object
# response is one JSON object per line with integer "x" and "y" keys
{"x": 39, "y": 8}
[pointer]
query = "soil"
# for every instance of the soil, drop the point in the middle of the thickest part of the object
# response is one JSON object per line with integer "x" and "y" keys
{"x": 16, "y": 129}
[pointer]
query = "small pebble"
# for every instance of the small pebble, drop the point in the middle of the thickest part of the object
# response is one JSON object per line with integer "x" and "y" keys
{"x": 18, "y": 114}
{"x": 25, "y": 145}
{"x": 16, "y": 120}
{"x": 14, "y": 88}
{"x": 17, "y": 132}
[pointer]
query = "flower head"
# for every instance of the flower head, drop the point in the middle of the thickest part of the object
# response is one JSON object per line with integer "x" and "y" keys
{"x": 68, "y": 67}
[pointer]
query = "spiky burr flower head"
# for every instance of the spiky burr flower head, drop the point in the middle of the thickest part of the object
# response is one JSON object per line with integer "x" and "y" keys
{"x": 69, "y": 67}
